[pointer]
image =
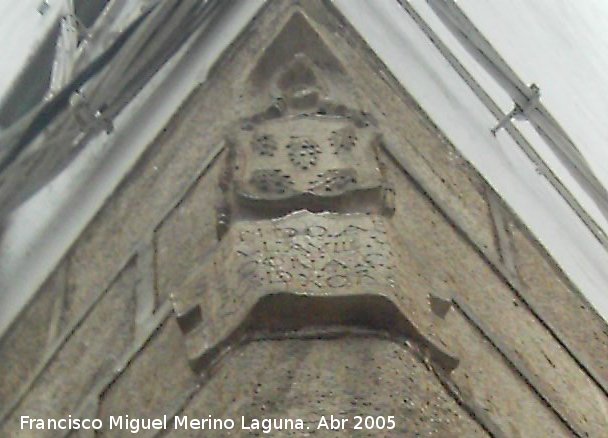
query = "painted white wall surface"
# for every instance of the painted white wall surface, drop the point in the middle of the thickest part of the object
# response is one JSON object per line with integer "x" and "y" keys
{"x": 559, "y": 44}
{"x": 559, "y": 82}
{"x": 22, "y": 28}
{"x": 422, "y": 70}
{"x": 562, "y": 45}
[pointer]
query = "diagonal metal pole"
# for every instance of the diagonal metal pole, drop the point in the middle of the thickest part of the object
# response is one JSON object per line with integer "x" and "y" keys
{"x": 45, "y": 140}
{"x": 517, "y": 136}
{"x": 540, "y": 118}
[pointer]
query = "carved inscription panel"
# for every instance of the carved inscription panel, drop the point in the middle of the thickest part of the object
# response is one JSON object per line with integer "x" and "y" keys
{"x": 305, "y": 271}
{"x": 312, "y": 253}
{"x": 302, "y": 253}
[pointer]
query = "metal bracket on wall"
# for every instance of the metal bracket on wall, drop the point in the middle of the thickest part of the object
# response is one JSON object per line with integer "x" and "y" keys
{"x": 519, "y": 112}
{"x": 523, "y": 96}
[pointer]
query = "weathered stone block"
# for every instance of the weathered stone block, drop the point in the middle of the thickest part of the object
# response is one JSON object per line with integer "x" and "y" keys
{"x": 156, "y": 383}
{"x": 27, "y": 341}
{"x": 87, "y": 355}
{"x": 346, "y": 377}
{"x": 187, "y": 235}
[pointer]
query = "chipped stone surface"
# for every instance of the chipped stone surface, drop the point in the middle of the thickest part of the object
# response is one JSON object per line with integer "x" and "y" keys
{"x": 164, "y": 362}
{"x": 22, "y": 350}
{"x": 189, "y": 227}
{"x": 550, "y": 293}
{"x": 346, "y": 377}
{"x": 90, "y": 353}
